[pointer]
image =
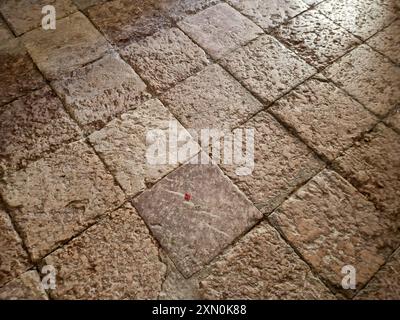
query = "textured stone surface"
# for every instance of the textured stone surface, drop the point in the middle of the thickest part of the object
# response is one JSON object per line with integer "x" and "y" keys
{"x": 220, "y": 29}
{"x": 312, "y": 2}
{"x": 166, "y": 58}
{"x": 362, "y": 18}
{"x": 73, "y": 44}
{"x": 211, "y": 99}
{"x": 373, "y": 166}
{"x": 369, "y": 77}
{"x": 26, "y": 287}
{"x": 124, "y": 142}
{"x": 84, "y": 4}
{"x": 179, "y": 9}
{"x": 393, "y": 120}
{"x": 18, "y": 74}
{"x": 115, "y": 259}
{"x": 316, "y": 39}
{"x": 271, "y": 13}
{"x": 5, "y": 33}
{"x": 26, "y": 15}
{"x": 386, "y": 283}
{"x": 262, "y": 266}
{"x": 282, "y": 163}
{"x": 324, "y": 116}
{"x": 13, "y": 258}
{"x": 125, "y": 21}
{"x": 388, "y": 41}
{"x": 267, "y": 68}
{"x": 58, "y": 196}
{"x": 332, "y": 225}
{"x": 97, "y": 93}
{"x": 194, "y": 232}
{"x": 31, "y": 126}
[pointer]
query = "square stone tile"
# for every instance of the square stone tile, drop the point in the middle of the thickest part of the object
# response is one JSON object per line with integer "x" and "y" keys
{"x": 165, "y": 58}
{"x": 180, "y": 9}
{"x": 5, "y": 32}
{"x": 267, "y": 68}
{"x": 115, "y": 259}
{"x": 282, "y": 163}
{"x": 18, "y": 74}
{"x": 316, "y": 39}
{"x": 211, "y": 99}
{"x": 388, "y": 42}
{"x": 59, "y": 196}
{"x": 99, "y": 92}
{"x": 373, "y": 166}
{"x": 73, "y": 44}
{"x": 33, "y": 125}
{"x": 261, "y": 266}
{"x": 332, "y": 225}
{"x": 27, "y": 15}
{"x": 362, "y": 18}
{"x": 271, "y": 13}
{"x": 126, "y": 21}
{"x": 194, "y": 232}
{"x": 124, "y": 144}
{"x": 27, "y": 287}
{"x": 393, "y": 120}
{"x": 324, "y": 116}
{"x": 369, "y": 77}
{"x": 385, "y": 285}
{"x": 220, "y": 29}
{"x": 14, "y": 259}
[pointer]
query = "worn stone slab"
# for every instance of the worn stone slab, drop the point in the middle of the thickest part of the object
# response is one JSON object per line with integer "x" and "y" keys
{"x": 73, "y": 44}
{"x": 362, "y": 18}
{"x": 126, "y": 21}
{"x": 211, "y": 99}
{"x": 5, "y": 32}
{"x": 13, "y": 258}
{"x": 124, "y": 144}
{"x": 373, "y": 166}
{"x": 26, "y": 287}
{"x": 193, "y": 232}
{"x": 84, "y": 4}
{"x": 267, "y": 68}
{"x": 388, "y": 42}
{"x": 332, "y": 225}
{"x": 393, "y": 119}
{"x": 262, "y": 266}
{"x": 316, "y": 39}
{"x": 312, "y": 2}
{"x": 385, "y": 285}
{"x": 31, "y": 126}
{"x": 27, "y": 15}
{"x": 282, "y": 163}
{"x": 271, "y": 13}
{"x": 324, "y": 116}
{"x": 99, "y": 92}
{"x": 18, "y": 73}
{"x": 220, "y": 29}
{"x": 179, "y": 9}
{"x": 369, "y": 77}
{"x": 59, "y": 196}
{"x": 115, "y": 259}
{"x": 165, "y": 58}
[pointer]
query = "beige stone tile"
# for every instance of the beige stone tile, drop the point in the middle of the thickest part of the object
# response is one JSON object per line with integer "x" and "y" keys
{"x": 193, "y": 232}
{"x": 332, "y": 225}
{"x": 5, "y": 32}
{"x": 393, "y": 119}
{"x": 220, "y": 29}
{"x": 388, "y": 42}
{"x": 26, "y": 287}
{"x": 58, "y": 196}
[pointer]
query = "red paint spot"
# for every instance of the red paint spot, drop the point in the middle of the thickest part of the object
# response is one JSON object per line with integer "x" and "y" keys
{"x": 188, "y": 196}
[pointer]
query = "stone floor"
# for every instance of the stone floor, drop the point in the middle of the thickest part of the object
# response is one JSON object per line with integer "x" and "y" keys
{"x": 319, "y": 80}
